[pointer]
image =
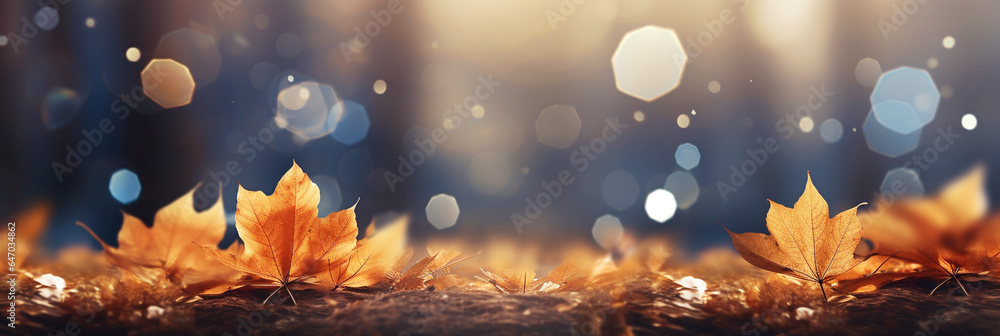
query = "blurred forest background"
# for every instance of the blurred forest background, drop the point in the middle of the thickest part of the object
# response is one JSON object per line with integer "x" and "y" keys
{"x": 748, "y": 70}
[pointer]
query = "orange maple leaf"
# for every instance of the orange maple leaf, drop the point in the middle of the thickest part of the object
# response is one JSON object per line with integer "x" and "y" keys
{"x": 946, "y": 234}
{"x": 286, "y": 242}
{"x": 167, "y": 245}
{"x": 804, "y": 242}
{"x": 370, "y": 261}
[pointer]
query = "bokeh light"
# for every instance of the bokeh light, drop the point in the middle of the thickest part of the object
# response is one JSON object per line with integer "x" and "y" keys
{"x": 649, "y": 62}
{"x": 910, "y": 86}
{"x": 887, "y": 142}
{"x": 806, "y": 124}
{"x": 683, "y": 121}
{"x": 308, "y": 109}
{"x": 714, "y": 87}
{"x": 620, "y": 190}
{"x": 897, "y": 116}
{"x": 947, "y": 91}
{"x": 442, "y": 211}
{"x": 353, "y": 125}
{"x": 478, "y": 111}
{"x": 60, "y": 107}
{"x": 687, "y": 156}
{"x": 867, "y": 72}
{"x": 607, "y": 231}
{"x": 969, "y": 121}
{"x": 168, "y": 83}
{"x": 831, "y": 130}
{"x": 47, "y": 18}
{"x": 902, "y": 182}
{"x": 948, "y": 42}
{"x": 133, "y": 54}
{"x": 124, "y": 186}
{"x": 684, "y": 187}
{"x": 660, "y": 205}
{"x": 558, "y": 126}
{"x": 90, "y": 23}
{"x": 490, "y": 173}
{"x": 639, "y": 116}
{"x": 379, "y": 86}
{"x": 932, "y": 63}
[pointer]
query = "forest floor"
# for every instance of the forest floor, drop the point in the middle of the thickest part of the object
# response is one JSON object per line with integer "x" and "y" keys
{"x": 739, "y": 300}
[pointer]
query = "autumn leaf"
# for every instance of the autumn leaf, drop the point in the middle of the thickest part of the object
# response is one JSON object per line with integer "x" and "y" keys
{"x": 513, "y": 281}
{"x": 413, "y": 277}
{"x": 285, "y": 240}
{"x": 943, "y": 235}
{"x": 420, "y": 273}
{"x": 565, "y": 278}
{"x": 166, "y": 246}
{"x": 804, "y": 242}
{"x": 30, "y": 223}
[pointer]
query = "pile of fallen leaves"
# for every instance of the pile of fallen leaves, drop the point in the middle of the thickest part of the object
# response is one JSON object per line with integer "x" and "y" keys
{"x": 297, "y": 272}
{"x": 944, "y": 238}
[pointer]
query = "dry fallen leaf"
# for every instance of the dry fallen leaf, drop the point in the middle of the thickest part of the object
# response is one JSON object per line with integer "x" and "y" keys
{"x": 419, "y": 274}
{"x": 565, "y": 278}
{"x": 371, "y": 259}
{"x": 942, "y": 235}
{"x": 30, "y": 223}
{"x": 285, "y": 240}
{"x": 804, "y": 242}
{"x": 165, "y": 249}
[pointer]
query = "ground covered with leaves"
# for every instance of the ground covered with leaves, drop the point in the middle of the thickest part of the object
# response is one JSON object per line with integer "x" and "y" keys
{"x": 737, "y": 299}
{"x": 923, "y": 266}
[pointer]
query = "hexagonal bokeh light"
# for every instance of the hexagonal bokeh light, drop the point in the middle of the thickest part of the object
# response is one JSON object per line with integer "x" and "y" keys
{"x": 558, "y": 126}
{"x": 887, "y": 142}
{"x": 168, "y": 83}
{"x": 684, "y": 187}
{"x": 687, "y": 156}
{"x": 897, "y": 116}
{"x": 902, "y": 182}
{"x": 910, "y": 86}
{"x": 308, "y": 109}
{"x": 607, "y": 231}
{"x": 124, "y": 186}
{"x": 353, "y": 125}
{"x": 620, "y": 190}
{"x": 442, "y": 211}
{"x": 649, "y": 62}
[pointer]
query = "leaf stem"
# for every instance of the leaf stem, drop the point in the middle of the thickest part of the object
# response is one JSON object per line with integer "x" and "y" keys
{"x": 290, "y": 295}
